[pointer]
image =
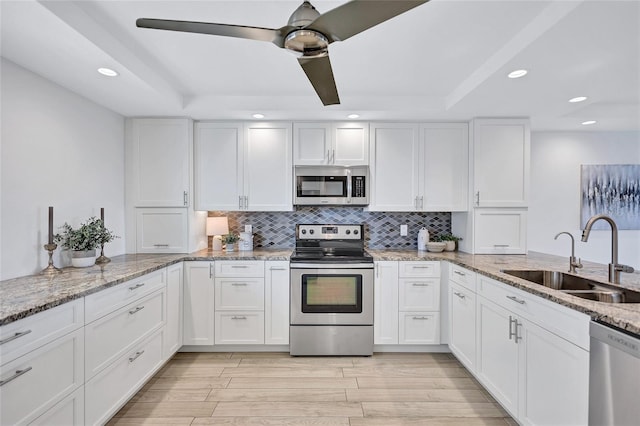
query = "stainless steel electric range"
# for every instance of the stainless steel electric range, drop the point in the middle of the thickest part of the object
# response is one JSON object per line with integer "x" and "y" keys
{"x": 331, "y": 292}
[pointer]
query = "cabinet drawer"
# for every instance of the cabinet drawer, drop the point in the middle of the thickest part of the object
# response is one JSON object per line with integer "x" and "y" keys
{"x": 419, "y": 269}
{"x": 25, "y": 335}
{"x": 68, "y": 412}
{"x": 111, "y": 388}
{"x": 462, "y": 276}
{"x": 239, "y": 294}
{"x": 239, "y": 327}
{"x": 564, "y": 322}
{"x": 106, "y": 301}
{"x": 235, "y": 268}
{"x": 419, "y": 294}
{"x": 419, "y": 328}
{"x": 109, "y": 337}
{"x": 36, "y": 381}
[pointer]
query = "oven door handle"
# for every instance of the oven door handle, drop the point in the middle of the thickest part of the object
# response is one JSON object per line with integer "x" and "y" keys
{"x": 294, "y": 266}
{"x": 349, "y": 184}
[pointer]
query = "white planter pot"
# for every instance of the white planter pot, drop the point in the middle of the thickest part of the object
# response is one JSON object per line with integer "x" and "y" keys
{"x": 450, "y": 245}
{"x": 83, "y": 258}
{"x": 231, "y": 247}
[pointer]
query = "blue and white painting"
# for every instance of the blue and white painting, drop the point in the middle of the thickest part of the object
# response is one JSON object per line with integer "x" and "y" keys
{"x": 611, "y": 189}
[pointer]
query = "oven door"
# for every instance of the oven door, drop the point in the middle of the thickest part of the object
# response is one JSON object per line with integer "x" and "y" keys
{"x": 331, "y": 295}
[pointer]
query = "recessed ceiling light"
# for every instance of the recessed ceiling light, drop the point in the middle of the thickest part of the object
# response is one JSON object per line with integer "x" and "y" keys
{"x": 352, "y": 116}
{"x": 258, "y": 115}
{"x": 578, "y": 99}
{"x": 586, "y": 123}
{"x": 517, "y": 73}
{"x": 108, "y": 72}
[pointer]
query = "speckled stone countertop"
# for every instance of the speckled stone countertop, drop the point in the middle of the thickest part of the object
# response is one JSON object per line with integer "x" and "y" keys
{"x": 25, "y": 296}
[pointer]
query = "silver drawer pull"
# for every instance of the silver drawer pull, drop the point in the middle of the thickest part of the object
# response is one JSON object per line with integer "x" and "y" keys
{"x": 420, "y": 318}
{"x": 238, "y": 318}
{"x": 277, "y": 269}
{"x": 137, "y": 286}
{"x": 135, "y": 356}
{"x": 15, "y": 336}
{"x": 460, "y": 295}
{"x": 137, "y": 309}
{"x": 421, "y": 267}
{"x": 460, "y": 273}
{"x": 515, "y": 299}
{"x": 239, "y": 266}
{"x": 420, "y": 285}
{"x": 239, "y": 284}
{"x": 15, "y": 376}
{"x": 501, "y": 245}
{"x": 161, "y": 245}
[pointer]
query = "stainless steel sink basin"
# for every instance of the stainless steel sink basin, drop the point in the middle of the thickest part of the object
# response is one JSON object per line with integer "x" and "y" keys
{"x": 578, "y": 286}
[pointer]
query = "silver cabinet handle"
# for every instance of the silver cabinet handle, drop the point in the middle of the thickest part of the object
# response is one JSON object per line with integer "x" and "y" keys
{"x": 421, "y": 202}
{"x": 460, "y": 295}
{"x": 333, "y": 156}
{"x": 211, "y": 270}
{"x": 517, "y": 335}
{"x": 239, "y": 266}
{"x": 421, "y": 267}
{"x": 136, "y": 310}
{"x": 420, "y": 318}
{"x": 420, "y": 285}
{"x": 415, "y": 202}
{"x": 377, "y": 270}
{"x": 185, "y": 198}
{"x": 511, "y": 332}
{"x": 246, "y": 202}
{"x": 477, "y": 198}
{"x": 501, "y": 245}
{"x": 273, "y": 268}
{"x": 136, "y": 356}
{"x": 135, "y": 287}
{"x": 328, "y": 156}
{"x": 161, "y": 245}
{"x": 17, "y": 374}
{"x": 515, "y": 299}
{"x": 15, "y": 336}
{"x": 460, "y": 273}
{"x": 239, "y": 284}
{"x": 240, "y": 202}
{"x": 238, "y": 318}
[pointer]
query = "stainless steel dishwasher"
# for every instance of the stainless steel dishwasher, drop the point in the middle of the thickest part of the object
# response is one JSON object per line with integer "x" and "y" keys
{"x": 614, "y": 380}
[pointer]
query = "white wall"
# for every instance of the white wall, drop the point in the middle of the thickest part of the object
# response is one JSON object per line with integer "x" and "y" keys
{"x": 60, "y": 150}
{"x": 555, "y": 192}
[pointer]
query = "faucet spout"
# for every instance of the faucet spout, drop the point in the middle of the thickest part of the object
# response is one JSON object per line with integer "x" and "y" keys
{"x": 573, "y": 263}
{"x": 614, "y": 267}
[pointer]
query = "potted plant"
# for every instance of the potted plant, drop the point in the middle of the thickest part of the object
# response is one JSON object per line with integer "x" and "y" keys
{"x": 230, "y": 240}
{"x": 450, "y": 240}
{"x": 82, "y": 242}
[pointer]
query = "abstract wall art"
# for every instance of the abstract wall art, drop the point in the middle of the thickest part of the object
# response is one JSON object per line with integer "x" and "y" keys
{"x": 611, "y": 189}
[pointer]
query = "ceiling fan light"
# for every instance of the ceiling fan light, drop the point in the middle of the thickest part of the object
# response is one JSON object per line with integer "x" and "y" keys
{"x": 517, "y": 73}
{"x": 307, "y": 43}
{"x": 353, "y": 116}
{"x": 258, "y": 115}
{"x": 578, "y": 99}
{"x": 108, "y": 72}
{"x": 588, "y": 122}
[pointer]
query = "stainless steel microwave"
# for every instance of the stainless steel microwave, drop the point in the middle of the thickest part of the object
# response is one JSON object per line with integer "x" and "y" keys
{"x": 331, "y": 186}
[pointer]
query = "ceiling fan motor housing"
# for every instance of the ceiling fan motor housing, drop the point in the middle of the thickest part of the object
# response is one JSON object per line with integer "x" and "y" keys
{"x": 307, "y": 43}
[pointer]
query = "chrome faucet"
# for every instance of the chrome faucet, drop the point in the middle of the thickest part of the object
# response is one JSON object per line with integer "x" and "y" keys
{"x": 614, "y": 267}
{"x": 573, "y": 264}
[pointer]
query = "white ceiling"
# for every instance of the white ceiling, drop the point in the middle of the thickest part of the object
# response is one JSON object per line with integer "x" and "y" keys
{"x": 444, "y": 60}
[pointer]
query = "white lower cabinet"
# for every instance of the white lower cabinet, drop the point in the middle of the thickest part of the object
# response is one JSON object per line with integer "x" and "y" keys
{"x": 239, "y": 327}
{"x": 173, "y": 326}
{"x": 276, "y": 302}
{"x": 33, "y": 383}
{"x": 419, "y": 328}
{"x": 198, "y": 309}
{"x": 385, "y": 309}
{"x": 68, "y": 412}
{"x": 112, "y": 387}
{"x": 462, "y": 324}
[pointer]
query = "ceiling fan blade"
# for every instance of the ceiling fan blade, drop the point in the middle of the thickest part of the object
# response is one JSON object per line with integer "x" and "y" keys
{"x": 240, "y": 31}
{"x": 357, "y": 16}
{"x": 318, "y": 70}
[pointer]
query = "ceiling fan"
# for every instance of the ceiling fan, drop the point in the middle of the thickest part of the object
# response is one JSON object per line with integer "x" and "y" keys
{"x": 307, "y": 34}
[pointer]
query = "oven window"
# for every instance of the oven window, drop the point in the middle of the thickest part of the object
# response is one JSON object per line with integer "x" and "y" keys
{"x": 322, "y": 186}
{"x": 331, "y": 293}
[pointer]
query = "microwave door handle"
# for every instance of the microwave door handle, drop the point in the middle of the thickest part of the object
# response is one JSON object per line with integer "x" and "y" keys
{"x": 349, "y": 184}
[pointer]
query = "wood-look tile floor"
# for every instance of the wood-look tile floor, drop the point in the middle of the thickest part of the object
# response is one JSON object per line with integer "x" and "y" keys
{"x": 276, "y": 389}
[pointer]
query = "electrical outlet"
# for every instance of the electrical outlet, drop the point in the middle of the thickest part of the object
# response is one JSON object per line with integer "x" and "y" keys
{"x": 248, "y": 228}
{"x": 403, "y": 230}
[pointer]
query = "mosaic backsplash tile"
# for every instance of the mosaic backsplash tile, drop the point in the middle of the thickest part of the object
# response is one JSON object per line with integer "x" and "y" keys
{"x": 382, "y": 229}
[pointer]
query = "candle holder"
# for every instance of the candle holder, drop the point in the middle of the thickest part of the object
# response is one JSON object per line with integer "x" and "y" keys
{"x": 102, "y": 259}
{"x": 51, "y": 270}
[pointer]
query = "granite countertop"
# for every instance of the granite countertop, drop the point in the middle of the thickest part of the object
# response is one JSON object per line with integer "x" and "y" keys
{"x": 25, "y": 296}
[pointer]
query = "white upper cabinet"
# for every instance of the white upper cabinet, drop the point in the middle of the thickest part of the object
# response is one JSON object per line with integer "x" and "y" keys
{"x": 243, "y": 166}
{"x": 160, "y": 160}
{"x": 501, "y": 150}
{"x": 345, "y": 144}
{"x": 445, "y": 162}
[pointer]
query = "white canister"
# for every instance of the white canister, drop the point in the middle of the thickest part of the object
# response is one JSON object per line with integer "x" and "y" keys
{"x": 423, "y": 239}
{"x": 246, "y": 241}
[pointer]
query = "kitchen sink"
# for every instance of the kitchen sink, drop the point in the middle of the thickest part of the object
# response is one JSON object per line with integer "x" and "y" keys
{"x": 577, "y": 286}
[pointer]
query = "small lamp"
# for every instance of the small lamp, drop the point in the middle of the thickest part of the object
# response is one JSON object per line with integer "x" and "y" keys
{"x": 217, "y": 226}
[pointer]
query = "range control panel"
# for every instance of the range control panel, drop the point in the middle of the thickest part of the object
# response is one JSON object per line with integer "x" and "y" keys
{"x": 329, "y": 232}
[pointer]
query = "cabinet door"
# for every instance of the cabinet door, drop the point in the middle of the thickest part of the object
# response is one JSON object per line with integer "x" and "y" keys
{"x": 445, "y": 167}
{"x": 198, "y": 303}
{"x": 160, "y": 163}
{"x": 350, "y": 144}
{"x": 554, "y": 379}
{"x": 161, "y": 230}
{"x": 385, "y": 311}
{"x": 240, "y": 328}
{"x": 501, "y": 162}
{"x": 276, "y": 303}
{"x": 68, "y": 412}
{"x": 394, "y": 167}
{"x": 462, "y": 325}
{"x": 419, "y": 328}
{"x": 268, "y": 175}
{"x": 218, "y": 160}
{"x": 419, "y": 294}
{"x": 173, "y": 327}
{"x": 239, "y": 294}
{"x": 497, "y": 362}
{"x": 311, "y": 144}
{"x": 500, "y": 231}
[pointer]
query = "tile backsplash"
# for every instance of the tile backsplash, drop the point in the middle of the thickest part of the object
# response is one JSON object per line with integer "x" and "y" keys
{"x": 382, "y": 229}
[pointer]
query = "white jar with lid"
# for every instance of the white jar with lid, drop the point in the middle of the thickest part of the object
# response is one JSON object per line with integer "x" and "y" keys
{"x": 246, "y": 241}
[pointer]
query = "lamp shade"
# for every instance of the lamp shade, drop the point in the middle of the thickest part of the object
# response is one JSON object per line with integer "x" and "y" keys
{"x": 217, "y": 226}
